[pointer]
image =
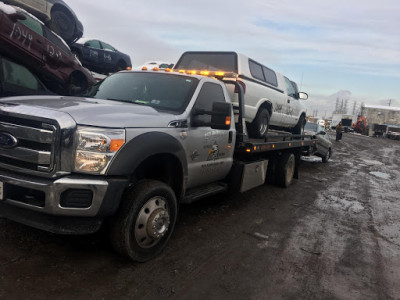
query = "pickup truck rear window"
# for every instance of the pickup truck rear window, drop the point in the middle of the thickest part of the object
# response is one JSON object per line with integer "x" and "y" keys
{"x": 208, "y": 61}
{"x": 167, "y": 92}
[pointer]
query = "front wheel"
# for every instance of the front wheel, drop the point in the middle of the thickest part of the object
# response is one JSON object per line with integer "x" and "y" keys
{"x": 145, "y": 220}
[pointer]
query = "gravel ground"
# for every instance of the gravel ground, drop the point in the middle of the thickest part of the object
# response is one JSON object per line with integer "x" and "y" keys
{"x": 333, "y": 234}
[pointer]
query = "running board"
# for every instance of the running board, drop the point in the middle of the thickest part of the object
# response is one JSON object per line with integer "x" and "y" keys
{"x": 198, "y": 193}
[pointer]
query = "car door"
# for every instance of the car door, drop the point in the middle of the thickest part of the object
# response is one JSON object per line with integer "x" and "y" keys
{"x": 27, "y": 38}
{"x": 209, "y": 151}
{"x": 323, "y": 140}
{"x": 110, "y": 57}
{"x": 91, "y": 53}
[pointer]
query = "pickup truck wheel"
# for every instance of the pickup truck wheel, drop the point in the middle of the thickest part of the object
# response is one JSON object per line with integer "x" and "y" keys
{"x": 145, "y": 220}
{"x": 327, "y": 156}
{"x": 299, "y": 128}
{"x": 260, "y": 125}
{"x": 285, "y": 170}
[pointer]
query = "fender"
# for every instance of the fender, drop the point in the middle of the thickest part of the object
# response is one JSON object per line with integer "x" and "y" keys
{"x": 144, "y": 146}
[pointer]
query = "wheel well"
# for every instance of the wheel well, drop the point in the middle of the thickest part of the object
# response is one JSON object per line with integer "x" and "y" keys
{"x": 266, "y": 105}
{"x": 163, "y": 167}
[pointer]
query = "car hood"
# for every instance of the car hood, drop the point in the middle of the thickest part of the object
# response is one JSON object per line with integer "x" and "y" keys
{"x": 97, "y": 112}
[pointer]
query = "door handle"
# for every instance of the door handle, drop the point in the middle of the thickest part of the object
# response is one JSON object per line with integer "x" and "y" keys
{"x": 288, "y": 100}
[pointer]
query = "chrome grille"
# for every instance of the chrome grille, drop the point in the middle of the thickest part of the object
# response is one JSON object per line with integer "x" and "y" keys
{"x": 35, "y": 147}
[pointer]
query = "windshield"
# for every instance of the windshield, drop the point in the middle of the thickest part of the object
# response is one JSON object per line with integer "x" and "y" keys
{"x": 161, "y": 91}
{"x": 212, "y": 61}
{"x": 311, "y": 127}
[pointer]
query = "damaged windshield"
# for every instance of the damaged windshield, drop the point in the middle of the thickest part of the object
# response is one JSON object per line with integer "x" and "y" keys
{"x": 161, "y": 91}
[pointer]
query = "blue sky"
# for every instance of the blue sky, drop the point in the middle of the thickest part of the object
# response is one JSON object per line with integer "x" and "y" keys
{"x": 332, "y": 48}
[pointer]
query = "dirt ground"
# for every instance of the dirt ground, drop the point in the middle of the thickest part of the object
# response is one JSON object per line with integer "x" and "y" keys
{"x": 334, "y": 234}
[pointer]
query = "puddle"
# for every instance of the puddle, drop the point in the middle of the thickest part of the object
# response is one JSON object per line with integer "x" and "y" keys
{"x": 380, "y": 175}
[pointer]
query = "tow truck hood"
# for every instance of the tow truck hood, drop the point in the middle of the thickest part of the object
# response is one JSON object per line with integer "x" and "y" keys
{"x": 97, "y": 112}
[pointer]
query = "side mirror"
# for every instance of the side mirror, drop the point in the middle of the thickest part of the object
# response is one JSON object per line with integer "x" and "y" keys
{"x": 302, "y": 96}
{"x": 87, "y": 44}
{"x": 221, "y": 115}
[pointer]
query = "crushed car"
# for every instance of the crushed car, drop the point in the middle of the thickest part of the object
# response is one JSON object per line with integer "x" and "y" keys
{"x": 100, "y": 57}
{"x": 26, "y": 40}
{"x": 56, "y": 14}
{"x": 324, "y": 145}
{"x": 17, "y": 80}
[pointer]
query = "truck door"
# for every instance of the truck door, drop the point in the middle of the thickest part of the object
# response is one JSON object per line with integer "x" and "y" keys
{"x": 210, "y": 151}
{"x": 291, "y": 107}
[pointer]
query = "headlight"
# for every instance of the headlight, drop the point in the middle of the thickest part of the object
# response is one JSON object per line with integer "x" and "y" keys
{"x": 96, "y": 147}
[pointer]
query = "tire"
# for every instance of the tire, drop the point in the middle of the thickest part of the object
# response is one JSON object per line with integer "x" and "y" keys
{"x": 299, "y": 128}
{"x": 260, "y": 125}
{"x": 77, "y": 84}
{"x": 327, "y": 156}
{"x": 63, "y": 24}
{"x": 285, "y": 169}
{"x": 145, "y": 220}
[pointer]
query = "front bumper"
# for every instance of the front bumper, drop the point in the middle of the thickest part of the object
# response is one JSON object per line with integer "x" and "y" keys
{"x": 40, "y": 202}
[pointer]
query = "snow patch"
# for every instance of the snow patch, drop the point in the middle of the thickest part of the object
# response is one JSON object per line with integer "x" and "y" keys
{"x": 7, "y": 9}
{"x": 311, "y": 159}
{"x": 372, "y": 162}
{"x": 380, "y": 175}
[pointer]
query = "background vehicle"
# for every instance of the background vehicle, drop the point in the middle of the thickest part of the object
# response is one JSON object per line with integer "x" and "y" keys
{"x": 271, "y": 98}
{"x": 56, "y": 14}
{"x": 100, "y": 57}
{"x": 324, "y": 145}
{"x": 16, "y": 80}
{"x": 160, "y": 139}
{"x": 159, "y": 64}
{"x": 27, "y": 41}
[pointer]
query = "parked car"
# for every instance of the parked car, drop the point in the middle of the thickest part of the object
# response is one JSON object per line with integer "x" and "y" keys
{"x": 156, "y": 64}
{"x": 324, "y": 145}
{"x": 27, "y": 41}
{"x": 100, "y": 57}
{"x": 17, "y": 80}
{"x": 271, "y": 99}
{"x": 56, "y": 14}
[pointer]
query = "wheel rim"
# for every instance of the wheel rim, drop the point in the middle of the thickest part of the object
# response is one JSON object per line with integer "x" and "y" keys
{"x": 290, "y": 169}
{"x": 264, "y": 126}
{"x": 152, "y": 222}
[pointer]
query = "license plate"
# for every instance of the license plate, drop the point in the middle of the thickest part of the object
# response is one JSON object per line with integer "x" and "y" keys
{"x": 1, "y": 190}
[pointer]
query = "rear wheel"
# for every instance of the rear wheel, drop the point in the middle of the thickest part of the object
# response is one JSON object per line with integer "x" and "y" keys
{"x": 299, "y": 128}
{"x": 77, "y": 84}
{"x": 285, "y": 169}
{"x": 260, "y": 125}
{"x": 145, "y": 220}
{"x": 63, "y": 24}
